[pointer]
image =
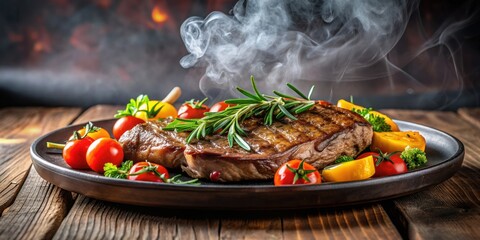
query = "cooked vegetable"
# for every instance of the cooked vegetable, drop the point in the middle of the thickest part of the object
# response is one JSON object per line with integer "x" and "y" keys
{"x": 296, "y": 172}
{"x": 147, "y": 171}
{"x": 144, "y": 108}
{"x": 124, "y": 124}
{"x": 413, "y": 157}
{"x": 344, "y": 158}
{"x": 256, "y": 104}
{"x": 193, "y": 109}
{"x": 219, "y": 106}
{"x": 359, "y": 169}
{"x": 75, "y": 151}
{"x": 389, "y": 142}
{"x": 92, "y": 131}
{"x": 121, "y": 172}
{"x": 162, "y": 110}
{"x": 378, "y": 123}
{"x": 144, "y": 171}
{"x": 104, "y": 150}
{"x": 386, "y": 164}
{"x": 376, "y": 117}
{"x": 89, "y": 130}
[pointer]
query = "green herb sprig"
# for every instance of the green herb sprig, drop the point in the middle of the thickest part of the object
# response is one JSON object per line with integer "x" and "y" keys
{"x": 138, "y": 105}
{"x": 256, "y": 104}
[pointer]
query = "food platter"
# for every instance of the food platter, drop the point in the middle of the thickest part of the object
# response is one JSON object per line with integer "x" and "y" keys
{"x": 445, "y": 156}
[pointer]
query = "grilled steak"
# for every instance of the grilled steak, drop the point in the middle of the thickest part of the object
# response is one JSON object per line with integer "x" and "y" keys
{"x": 149, "y": 142}
{"x": 319, "y": 136}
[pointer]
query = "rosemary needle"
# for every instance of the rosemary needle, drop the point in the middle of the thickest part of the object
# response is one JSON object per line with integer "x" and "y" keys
{"x": 229, "y": 121}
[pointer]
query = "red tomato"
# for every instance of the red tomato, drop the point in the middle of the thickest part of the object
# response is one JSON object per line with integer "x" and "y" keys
{"x": 306, "y": 173}
{"x": 147, "y": 171}
{"x": 75, "y": 153}
{"x": 219, "y": 106}
{"x": 104, "y": 150}
{"x": 192, "y": 109}
{"x": 390, "y": 164}
{"x": 124, "y": 124}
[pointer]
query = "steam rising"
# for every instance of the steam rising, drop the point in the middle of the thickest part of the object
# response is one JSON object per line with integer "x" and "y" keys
{"x": 334, "y": 44}
{"x": 284, "y": 41}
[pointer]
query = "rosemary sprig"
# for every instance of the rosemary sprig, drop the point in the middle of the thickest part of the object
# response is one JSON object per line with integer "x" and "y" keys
{"x": 256, "y": 104}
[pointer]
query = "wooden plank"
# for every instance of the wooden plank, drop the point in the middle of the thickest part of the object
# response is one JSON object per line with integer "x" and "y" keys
{"x": 358, "y": 222}
{"x": 450, "y": 210}
{"x": 93, "y": 219}
{"x": 90, "y": 218}
{"x": 471, "y": 115}
{"x": 40, "y": 207}
{"x": 20, "y": 126}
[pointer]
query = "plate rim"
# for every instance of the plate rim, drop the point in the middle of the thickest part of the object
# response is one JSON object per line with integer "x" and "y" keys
{"x": 44, "y": 166}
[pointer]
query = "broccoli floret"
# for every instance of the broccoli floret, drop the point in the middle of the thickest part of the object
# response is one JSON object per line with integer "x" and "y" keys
{"x": 378, "y": 123}
{"x": 413, "y": 157}
{"x": 344, "y": 158}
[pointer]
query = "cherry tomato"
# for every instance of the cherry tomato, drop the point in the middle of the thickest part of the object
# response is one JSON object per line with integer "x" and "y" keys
{"x": 147, "y": 171}
{"x": 124, "y": 124}
{"x": 390, "y": 164}
{"x": 95, "y": 134}
{"x": 306, "y": 173}
{"x": 192, "y": 109}
{"x": 219, "y": 106}
{"x": 164, "y": 110}
{"x": 104, "y": 150}
{"x": 75, "y": 152}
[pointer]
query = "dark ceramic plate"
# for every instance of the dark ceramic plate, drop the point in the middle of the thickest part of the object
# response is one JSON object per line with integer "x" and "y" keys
{"x": 445, "y": 154}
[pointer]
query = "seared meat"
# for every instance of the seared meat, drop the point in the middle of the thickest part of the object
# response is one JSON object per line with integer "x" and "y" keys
{"x": 319, "y": 136}
{"x": 149, "y": 142}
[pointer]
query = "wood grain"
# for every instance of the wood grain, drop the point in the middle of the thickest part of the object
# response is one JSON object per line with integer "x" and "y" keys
{"x": 450, "y": 210}
{"x": 359, "y": 222}
{"x": 90, "y": 218}
{"x": 93, "y": 219}
{"x": 21, "y": 127}
{"x": 471, "y": 115}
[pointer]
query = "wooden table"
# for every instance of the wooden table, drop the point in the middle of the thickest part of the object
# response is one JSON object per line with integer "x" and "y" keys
{"x": 32, "y": 208}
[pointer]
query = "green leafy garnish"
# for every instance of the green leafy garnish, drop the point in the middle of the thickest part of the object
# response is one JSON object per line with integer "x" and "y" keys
{"x": 256, "y": 104}
{"x": 413, "y": 157}
{"x": 115, "y": 172}
{"x": 344, "y": 158}
{"x": 378, "y": 123}
{"x": 123, "y": 172}
{"x": 140, "y": 104}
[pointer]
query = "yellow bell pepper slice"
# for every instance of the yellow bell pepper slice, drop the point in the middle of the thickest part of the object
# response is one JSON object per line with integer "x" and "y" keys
{"x": 350, "y": 106}
{"x": 389, "y": 142}
{"x": 353, "y": 170}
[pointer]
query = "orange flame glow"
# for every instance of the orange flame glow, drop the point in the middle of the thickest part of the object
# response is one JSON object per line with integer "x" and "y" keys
{"x": 159, "y": 15}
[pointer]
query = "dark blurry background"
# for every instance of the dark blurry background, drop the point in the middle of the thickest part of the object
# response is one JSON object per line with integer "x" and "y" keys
{"x": 82, "y": 53}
